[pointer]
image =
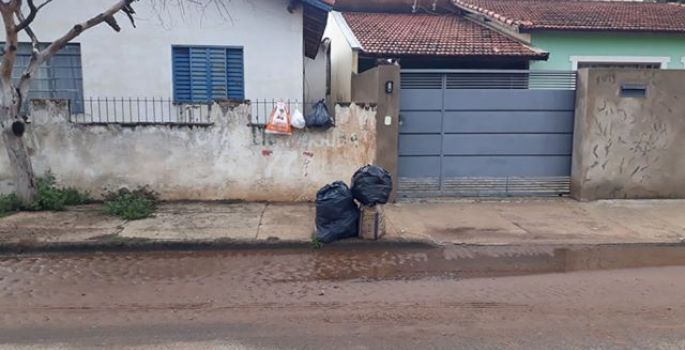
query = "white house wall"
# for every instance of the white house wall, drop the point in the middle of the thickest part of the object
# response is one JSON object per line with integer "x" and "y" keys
{"x": 342, "y": 62}
{"x": 137, "y": 61}
{"x": 315, "y": 76}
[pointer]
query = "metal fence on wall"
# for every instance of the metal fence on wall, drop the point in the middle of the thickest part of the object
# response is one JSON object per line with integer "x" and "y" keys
{"x": 141, "y": 110}
{"x": 262, "y": 108}
{"x": 160, "y": 110}
{"x": 484, "y": 79}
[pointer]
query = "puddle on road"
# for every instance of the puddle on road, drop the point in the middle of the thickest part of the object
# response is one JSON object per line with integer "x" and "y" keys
{"x": 491, "y": 261}
{"x": 339, "y": 263}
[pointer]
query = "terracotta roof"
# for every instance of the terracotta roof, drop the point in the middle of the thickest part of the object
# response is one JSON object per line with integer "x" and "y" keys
{"x": 437, "y": 35}
{"x": 530, "y": 15}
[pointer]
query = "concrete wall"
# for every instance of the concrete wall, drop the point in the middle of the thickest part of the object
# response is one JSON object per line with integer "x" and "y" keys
{"x": 343, "y": 61}
{"x": 365, "y": 86}
{"x": 228, "y": 160}
{"x": 628, "y": 147}
{"x": 370, "y": 87}
{"x": 563, "y": 45}
{"x": 137, "y": 61}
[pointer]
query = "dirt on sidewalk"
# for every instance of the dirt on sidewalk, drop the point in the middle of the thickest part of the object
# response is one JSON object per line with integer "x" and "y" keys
{"x": 486, "y": 222}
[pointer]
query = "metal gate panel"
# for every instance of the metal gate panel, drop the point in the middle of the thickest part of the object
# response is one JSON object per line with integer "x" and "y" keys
{"x": 501, "y": 121}
{"x": 420, "y": 147}
{"x": 486, "y": 145}
{"x": 422, "y": 122}
{"x": 505, "y": 166}
{"x": 509, "y": 100}
{"x": 481, "y": 133}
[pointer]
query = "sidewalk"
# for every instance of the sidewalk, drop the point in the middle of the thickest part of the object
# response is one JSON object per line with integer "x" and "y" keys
{"x": 540, "y": 221}
{"x": 498, "y": 222}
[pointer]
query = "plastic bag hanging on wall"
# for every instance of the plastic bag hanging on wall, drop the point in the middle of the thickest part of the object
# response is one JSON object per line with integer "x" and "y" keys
{"x": 279, "y": 121}
{"x": 319, "y": 117}
{"x": 298, "y": 121}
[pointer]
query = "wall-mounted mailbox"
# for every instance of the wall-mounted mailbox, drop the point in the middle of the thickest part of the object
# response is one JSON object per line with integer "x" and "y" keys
{"x": 633, "y": 90}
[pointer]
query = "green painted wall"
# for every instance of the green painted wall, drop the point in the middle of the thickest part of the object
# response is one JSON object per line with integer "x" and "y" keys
{"x": 563, "y": 45}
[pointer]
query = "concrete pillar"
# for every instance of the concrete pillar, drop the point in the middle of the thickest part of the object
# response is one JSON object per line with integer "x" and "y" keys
{"x": 629, "y": 138}
{"x": 372, "y": 87}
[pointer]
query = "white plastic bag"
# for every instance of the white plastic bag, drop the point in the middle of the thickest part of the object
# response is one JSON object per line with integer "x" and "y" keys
{"x": 297, "y": 120}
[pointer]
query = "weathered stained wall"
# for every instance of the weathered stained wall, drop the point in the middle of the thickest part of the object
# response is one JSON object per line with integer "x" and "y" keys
{"x": 629, "y": 147}
{"x": 229, "y": 160}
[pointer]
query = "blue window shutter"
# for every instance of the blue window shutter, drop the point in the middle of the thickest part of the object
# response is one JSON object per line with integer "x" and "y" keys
{"x": 181, "y": 69}
{"x": 235, "y": 74}
{"x": 199, "y": 75}
{"x": 205, "y": 74}
{"x": 217, "y": 73}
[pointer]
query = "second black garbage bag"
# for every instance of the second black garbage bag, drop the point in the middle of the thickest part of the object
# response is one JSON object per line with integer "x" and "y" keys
{"x": 371, "y": 185}
{"x": 337, "y": 215}
{"x": 319, "y": 117}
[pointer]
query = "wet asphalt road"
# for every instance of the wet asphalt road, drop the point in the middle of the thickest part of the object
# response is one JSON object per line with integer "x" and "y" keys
{"x": 348, "y": 298}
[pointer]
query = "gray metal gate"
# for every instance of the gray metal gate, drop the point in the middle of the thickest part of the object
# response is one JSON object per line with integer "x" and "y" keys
{"x": 485, "y": 132}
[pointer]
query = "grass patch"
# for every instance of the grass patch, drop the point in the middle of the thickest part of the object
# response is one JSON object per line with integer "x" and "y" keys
{"x": 131, "y": 205}
{"x": 9, "y": 204}
{"x": 51, "y": 197}
{"x": 316, "y": 243}
{"x": 48, "y": 197}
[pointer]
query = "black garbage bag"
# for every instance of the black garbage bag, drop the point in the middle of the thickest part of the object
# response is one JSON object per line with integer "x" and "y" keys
{"x": 337, "y": 215}
{"x": 371, "y": 185}
{"x": 319, "y": 117}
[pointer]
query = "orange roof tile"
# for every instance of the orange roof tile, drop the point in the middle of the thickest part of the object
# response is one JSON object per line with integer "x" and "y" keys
{"x": 530, "y": 15}
{"x": 425, "y": 34}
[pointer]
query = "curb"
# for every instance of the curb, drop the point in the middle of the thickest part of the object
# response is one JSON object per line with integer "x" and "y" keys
{"x": 200, "y": 245}
{"x": 142, "y": 246}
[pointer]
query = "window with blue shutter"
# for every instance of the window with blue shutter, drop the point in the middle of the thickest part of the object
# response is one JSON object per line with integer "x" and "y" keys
{"x": 206, "y": 74}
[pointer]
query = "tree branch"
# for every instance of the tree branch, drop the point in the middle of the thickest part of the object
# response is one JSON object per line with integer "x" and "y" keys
{"x": 33, "y": 11}
{"x": 39, "y": 57}
{"x": 81, "y": 27}
{"x": 29, "y": 31}
{"x": 10, "y": 54}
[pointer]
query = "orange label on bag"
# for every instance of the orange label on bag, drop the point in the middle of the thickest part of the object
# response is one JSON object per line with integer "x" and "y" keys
{"x": 279, "y": 121}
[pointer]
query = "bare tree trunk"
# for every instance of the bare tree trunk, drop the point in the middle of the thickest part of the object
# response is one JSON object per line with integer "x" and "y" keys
{"x": 11, "y": 124}
{"x": 20, "y": 161}
{"x": 15, "y": 95}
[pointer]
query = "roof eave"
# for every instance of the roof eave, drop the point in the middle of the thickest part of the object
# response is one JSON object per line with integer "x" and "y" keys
{"x": 347, "y": 31}
{"x": 536, "y": 29}
{"x": 318, "y": 4}
{"x": 542, "y": 56}
{"x": 510, "y": 29}
{"x": 491, "y": 15}
{"x": 315, "y": 18}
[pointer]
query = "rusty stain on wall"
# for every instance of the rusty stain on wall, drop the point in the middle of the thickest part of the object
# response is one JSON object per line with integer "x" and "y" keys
{"x": 225, "y": 161}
